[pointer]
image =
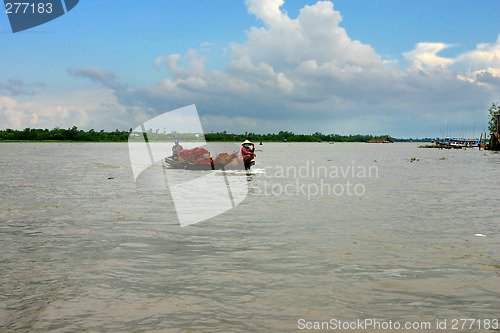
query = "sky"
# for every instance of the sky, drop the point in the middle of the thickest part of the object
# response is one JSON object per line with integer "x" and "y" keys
{"x": 402, "y": 68}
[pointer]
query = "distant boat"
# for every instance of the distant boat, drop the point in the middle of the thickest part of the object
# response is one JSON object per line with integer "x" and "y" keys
{"x": 459, "y": 143}
{"x": 387, "y": 140}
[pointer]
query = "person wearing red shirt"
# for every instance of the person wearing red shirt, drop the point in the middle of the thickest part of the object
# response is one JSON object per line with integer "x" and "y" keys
{"x": 247, "y": 153}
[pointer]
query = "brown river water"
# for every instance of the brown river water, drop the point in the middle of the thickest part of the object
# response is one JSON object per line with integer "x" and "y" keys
{"x": 327, "y": 233}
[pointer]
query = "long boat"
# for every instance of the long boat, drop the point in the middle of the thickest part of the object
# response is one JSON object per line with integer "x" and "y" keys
{"x": 235, "y": 164}
{"x": 458, "y": 143}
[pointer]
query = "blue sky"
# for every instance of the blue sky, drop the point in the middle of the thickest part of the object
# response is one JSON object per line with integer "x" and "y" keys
{"x": 404, "y": 68}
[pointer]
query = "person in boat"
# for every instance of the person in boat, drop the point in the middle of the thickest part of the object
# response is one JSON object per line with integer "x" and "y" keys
{"x": 176, "y": 149}
{"x": 247, "y": 153}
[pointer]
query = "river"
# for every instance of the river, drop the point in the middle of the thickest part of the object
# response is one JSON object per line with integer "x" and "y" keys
{"x": 342, "y": 231}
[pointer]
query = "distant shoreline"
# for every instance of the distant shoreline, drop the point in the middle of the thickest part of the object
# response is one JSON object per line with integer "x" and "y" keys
{"x": 75, "y": 135}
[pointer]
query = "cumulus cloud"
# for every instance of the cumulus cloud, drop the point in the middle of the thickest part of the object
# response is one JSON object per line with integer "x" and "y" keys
{"x": 268, "y": 11}
{"x": 18, "y": 115}
{"x": 314, "y": 35}
{"x": 307, "y": 69}
{"x": 482, "y": 65}
{"x": 425, "y": 54}
{"x": 97, "y": 109}
{"x": 485, "y": 55}
{"x": 310, "y": 58}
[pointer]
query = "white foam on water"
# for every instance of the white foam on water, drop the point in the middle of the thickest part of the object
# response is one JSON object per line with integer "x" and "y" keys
{"x": 241, "y": 172}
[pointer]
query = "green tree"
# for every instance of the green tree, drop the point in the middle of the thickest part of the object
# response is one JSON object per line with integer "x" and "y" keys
{"x": 494, "y": 110}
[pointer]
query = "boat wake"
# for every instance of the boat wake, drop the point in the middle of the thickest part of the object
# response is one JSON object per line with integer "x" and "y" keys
{"x": 240, "y": 172}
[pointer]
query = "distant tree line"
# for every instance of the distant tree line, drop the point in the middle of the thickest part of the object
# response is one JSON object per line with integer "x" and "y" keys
{"x": 292, "y": 137}
{"x": 60, "y": 134}
{"x": 74, "y": 134}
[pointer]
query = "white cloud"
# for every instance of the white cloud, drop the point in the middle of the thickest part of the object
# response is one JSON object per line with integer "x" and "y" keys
{"x": 308, "y": 71}
{"x": 425, "y": 54}
{"x": 484, "y": 56}
{"x": 480, "y": 66}
{"x": 268, "y": 11}
{"x": 16, "y": 115}
{"x": 97, "y": 109}
{"x": 314, "y": 35}
{"x": 307, "y": 58}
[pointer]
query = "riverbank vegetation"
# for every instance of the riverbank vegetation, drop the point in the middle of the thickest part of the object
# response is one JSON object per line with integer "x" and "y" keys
{"x": 60, "y": 134}
{"x": 77, "y": 135}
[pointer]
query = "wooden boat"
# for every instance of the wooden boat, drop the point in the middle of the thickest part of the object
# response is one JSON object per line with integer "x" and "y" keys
{"x": 176, "y": 164}
{"x": 234, "y": 164}
{"x": 457, "y": 143}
